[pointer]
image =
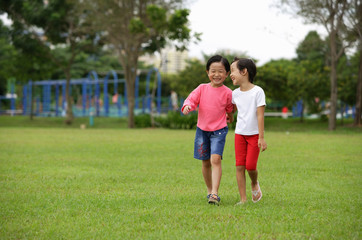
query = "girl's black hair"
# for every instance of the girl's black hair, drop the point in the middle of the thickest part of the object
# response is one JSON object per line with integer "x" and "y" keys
{"x": 218, "y": 58}
{"x": 248, "y": 64}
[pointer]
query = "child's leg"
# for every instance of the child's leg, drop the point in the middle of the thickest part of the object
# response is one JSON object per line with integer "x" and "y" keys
{"x": 241, "y": 180}
{"x": 206, "y": 172}
{"x": 202, "y": 152}
{"x": 240, "y": 161}
{"x": 253, "y": 174}
{"x": 216, "y": 172}
{"x": 251, "y": 163}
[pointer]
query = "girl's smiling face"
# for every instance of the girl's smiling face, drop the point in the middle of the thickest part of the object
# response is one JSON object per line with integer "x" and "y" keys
{"x": 235, "y": 74}
{"x": 217, "y": 74}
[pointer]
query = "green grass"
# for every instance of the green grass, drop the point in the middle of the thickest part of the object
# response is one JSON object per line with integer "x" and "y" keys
{"x": 59, "y": 183}
{"x": 58, "y": 122}
{"x": 271, "y": 124}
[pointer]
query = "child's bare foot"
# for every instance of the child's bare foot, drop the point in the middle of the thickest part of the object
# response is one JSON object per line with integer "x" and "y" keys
{"x": 240, "y": 203}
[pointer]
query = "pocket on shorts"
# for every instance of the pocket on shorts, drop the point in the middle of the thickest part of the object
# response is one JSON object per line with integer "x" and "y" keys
{"x": 222, "y": 131}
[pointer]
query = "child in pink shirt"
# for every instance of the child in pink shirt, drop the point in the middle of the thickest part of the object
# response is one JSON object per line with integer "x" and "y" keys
{"x": 215, "y": 110}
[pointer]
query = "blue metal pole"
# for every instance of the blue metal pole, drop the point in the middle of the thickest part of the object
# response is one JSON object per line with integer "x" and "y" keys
{"x": 84, "y": 97}
{"x": 57, "y": 100}
{"x": 25, "y": 90}
{"x": 12, "y": 100}
{"x": 45, "y": 98}
{"x": 30, "y": 95}
{"x": 158, "y": 92}
{"x": 63, "y": 97}
{"x": 97, "y": 93}
{"x": 105, "y": 96}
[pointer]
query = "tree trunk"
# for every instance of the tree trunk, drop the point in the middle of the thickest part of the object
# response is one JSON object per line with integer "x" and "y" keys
{"x": 130, "y": 74}
{"x": 69, "y": 112}
{"x": 153, "y": 123}
{"x": 357, "y": 118}
{"x": 333, "y": 107}
{"x": 333, "y": 78}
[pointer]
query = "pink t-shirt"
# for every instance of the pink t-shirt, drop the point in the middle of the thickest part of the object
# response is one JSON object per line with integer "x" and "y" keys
{"x": 213, "y": 104}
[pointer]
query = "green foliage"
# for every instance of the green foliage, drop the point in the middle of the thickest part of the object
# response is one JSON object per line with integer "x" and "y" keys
{"x": 101, "y": 61}
{"x": 312, "y": 48}
{"x": 173, "y": 120}
{"x": 347, "y": 78}
{"x": 39, "y": 26}
{"x": 311, "y": 76}
{"x": 143, "y": 121}
{"x": 189, "y": 78}
{"x": 163, "y": 26}
{"x": 158, "y": 17}
{"x": 273, "y": 78}
{"x": 136, "y": 26}
{"x": 12, "y": 59}
{"x": 178, "y": 28}
{"x": 176, "y": 120}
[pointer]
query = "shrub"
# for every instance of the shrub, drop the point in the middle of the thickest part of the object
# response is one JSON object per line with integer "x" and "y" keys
{"x": 143, "y": 121}
{"x": 175, "y": 120}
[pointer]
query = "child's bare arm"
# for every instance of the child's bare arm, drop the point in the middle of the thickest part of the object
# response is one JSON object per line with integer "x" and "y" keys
{"x": 230, "y": 116}
{"x": 260, "y": 115}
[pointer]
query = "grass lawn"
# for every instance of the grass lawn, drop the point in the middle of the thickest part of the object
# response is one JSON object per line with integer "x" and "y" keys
{"x": 117, "y": 183}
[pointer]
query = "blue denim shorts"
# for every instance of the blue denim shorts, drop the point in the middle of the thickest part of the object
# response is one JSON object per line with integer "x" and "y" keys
{"x": 207, "y": 143}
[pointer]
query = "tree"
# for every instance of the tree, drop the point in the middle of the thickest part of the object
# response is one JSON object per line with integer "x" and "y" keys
{"x": 332, "y": 14}
{"x": 348, "y": 77}
{"x": 13, "y": 59}
{"x": 39, "y": 26}
{"x": 355, "y": 18}
{"x": 7, "y": 57}
{"x": 134, "y": 27}
{"x": 273, "y": 78}
{"x": 311, "y": 73}
{"x": 189, "y": 78}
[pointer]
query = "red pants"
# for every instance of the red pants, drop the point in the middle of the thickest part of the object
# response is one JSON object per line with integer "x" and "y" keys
{"x": 247, "y": 151}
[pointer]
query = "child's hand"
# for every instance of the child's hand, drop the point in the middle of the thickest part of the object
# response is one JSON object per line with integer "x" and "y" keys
{"x": 186, "y": 109}
{"x": 229, "y": 117}
{"x": 262, "y": 144}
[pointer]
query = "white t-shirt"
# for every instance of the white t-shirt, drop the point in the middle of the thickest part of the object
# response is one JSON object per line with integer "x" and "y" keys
{"x": 247, "y": 103}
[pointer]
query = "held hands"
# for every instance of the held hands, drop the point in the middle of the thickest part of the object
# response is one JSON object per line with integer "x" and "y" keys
{"x": 186, "y": 109}
{"x": 262, "y": 144}
{"x": 229, "y": 117}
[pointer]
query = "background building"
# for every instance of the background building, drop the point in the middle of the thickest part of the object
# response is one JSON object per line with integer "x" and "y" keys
{"x": 172, "y": 61}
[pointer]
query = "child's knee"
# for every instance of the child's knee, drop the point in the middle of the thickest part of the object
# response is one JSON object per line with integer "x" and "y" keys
{"x": 251, "y": 168}
{"x": 251, "y": 165}
{"x": 215, "y": 159}
{"x": 206, "y": 163}
{"x": 240, "y": 168}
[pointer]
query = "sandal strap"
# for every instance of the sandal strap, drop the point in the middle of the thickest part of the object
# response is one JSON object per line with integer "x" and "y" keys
{"x": 215, "y": 196}
{"x": 255, "y": 193}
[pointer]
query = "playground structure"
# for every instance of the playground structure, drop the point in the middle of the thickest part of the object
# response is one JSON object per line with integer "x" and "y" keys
{"x": 94, "y": 98}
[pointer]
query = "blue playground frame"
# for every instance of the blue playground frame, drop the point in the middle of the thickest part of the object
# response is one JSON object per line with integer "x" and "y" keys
{"x": 90, "y": 96}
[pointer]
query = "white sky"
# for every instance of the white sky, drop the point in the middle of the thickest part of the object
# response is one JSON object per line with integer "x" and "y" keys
{"x": 251, "y": 26}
